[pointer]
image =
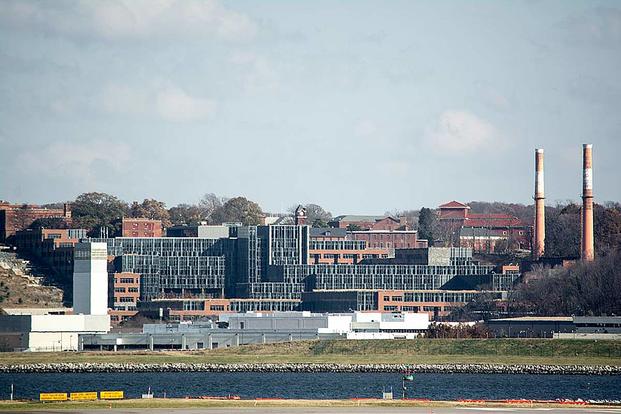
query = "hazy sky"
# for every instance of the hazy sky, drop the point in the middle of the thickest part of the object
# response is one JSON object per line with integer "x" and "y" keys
{"x": 359, "y": 106}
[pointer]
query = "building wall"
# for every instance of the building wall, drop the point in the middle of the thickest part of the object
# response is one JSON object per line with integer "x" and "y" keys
{"x": 125, "y": 291}
{"x": 380, "y": 239}
{"x": 90, "y": 279}
{"x": 141, "y": 227}
{"x": 54, "y": 247}
{"x": 343, "y": 251}
{"x": 15, "y": 217}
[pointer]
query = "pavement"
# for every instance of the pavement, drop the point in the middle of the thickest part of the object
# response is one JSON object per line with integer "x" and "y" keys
{"x": 340, "y": 410}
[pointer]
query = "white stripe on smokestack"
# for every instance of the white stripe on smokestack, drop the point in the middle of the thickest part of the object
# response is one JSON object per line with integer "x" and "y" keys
{"x": 540, "y": 220}
{"x": 587, "y": 251}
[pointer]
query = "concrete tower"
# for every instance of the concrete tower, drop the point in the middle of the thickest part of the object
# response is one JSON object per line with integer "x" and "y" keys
{"x": 587, "y": 251}
{"x": 540, "y": 212}
{"x": 90, "y": 279}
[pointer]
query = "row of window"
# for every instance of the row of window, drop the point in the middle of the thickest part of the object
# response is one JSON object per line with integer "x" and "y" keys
{"x": 123, "y": 290}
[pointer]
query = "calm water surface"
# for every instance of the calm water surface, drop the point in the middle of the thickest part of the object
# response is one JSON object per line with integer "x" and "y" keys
{"x": 320, "y": 385}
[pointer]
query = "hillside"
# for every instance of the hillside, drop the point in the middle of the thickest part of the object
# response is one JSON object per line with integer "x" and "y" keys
{"x": 20, "y": 288}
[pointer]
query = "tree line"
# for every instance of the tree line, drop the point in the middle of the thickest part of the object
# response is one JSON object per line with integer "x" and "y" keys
{"x": 95, "y": 211}
{"x": 562, "y": 225}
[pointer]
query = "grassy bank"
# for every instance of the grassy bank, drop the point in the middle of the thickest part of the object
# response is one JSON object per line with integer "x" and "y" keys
{"x": 436, "y": 351}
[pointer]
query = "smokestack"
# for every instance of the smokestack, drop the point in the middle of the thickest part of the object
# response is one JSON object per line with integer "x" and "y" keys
{"x": 540, "y": 213}
{"x": 587, "y": 250}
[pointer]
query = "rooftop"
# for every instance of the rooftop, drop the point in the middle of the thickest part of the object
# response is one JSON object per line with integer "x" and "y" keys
{"x": 455, "y": 204}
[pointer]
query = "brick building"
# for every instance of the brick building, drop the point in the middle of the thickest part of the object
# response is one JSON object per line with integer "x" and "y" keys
{"x": 483, "y": 232}
{"x": 124, "y": 295}
{"x": 369, "y": 223}
{"x": 53, "y": 247}
{"x": 141, "y": 227}
{"x": 15, "y": 217}
{"x": 389, "y": 239}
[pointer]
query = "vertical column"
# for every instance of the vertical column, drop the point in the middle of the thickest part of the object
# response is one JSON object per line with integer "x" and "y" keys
{"x": 540, "y": 212}
{"x": 587, "y": 249}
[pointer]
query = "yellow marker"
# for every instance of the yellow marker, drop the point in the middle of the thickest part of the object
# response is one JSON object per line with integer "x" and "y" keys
{"x": 111, "y": 395}
{"x": 53, "y": 396}
{"x": 83, "y": 396}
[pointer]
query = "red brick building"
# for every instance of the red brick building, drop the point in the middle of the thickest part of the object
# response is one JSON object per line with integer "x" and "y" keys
{"x": 389, "y": 239}
{"x": 54, "y": 247}
{"x": 123, "y": 296}
{"x": 369, "y": 223}
{"x": 483, "y": 232}
{"x": 15, "y": 217}
{"x": 141, "y": 227}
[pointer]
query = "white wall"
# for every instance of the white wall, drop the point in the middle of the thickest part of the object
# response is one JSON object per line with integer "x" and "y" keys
{"x": 52, "y": 341}
{"x": 338, "y": 324}
{"x": 90, "y": 279}
{"x": 70, "y": 323}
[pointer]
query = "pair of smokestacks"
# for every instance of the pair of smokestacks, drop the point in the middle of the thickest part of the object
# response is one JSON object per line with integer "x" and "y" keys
{"x": 587, "y": 251}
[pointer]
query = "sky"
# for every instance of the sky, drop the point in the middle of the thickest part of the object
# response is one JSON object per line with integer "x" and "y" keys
{"x": 358, "y": 106}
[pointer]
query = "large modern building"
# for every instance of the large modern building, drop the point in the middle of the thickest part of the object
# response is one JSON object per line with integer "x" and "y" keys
{"x": 291, "y": 267}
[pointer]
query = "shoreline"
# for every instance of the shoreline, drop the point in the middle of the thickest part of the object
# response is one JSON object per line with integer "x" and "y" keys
{"x": 516, "y": 369}
{"x": 169, "y": 403}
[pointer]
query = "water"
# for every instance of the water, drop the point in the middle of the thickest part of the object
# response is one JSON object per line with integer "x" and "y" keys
{"x": 320, "y": 385}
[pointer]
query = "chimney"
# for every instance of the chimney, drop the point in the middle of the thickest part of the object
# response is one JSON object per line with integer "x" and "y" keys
{"x": 540, "y": 213}
{"x": 587, "y": 251}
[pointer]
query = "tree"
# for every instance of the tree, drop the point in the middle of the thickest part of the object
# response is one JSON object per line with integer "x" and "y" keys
{"x": 563, "y": 231}
{"x": 238, "y": 210}
{"x": 427, "y": 225}
{"x": 586, "y": 288}
{"x": 151, "y": 209}
{"x": 50, "y": 223}
{"x": 209, "y": 204}
{"x": 93, "y": 211}
{"x": 185, "y": 214}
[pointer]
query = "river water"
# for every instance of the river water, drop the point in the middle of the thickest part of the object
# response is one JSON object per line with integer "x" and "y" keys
{"x": 319, "y": 385}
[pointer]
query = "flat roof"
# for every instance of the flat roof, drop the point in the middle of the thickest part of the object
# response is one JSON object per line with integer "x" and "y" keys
{"x": 535, "y": 319}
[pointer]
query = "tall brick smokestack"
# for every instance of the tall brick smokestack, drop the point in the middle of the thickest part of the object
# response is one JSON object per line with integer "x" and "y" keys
{"x": 540, "y": 213}
{"x": 587, "y": 251}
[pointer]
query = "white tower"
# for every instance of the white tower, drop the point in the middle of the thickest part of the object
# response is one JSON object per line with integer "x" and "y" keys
{"x": 90, "y": 279}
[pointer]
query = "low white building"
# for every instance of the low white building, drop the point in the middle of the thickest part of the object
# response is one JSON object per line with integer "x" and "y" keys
{"x": 376, "y": 325}
{"x": 49, "y": 329}
{"x": 40, "y": 332}
{"x": 356, "y": 325}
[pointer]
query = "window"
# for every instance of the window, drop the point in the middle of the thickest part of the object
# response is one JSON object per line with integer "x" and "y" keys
{"x": 390, "y": 308}
{"x": 397, "y": 298}
{"x": 126, "y": 299}
{"x": 216, "y": 307}
{"x": 132, "y": 290}
{"x": 119, "y": 289}
{"x": 387, "y": 298}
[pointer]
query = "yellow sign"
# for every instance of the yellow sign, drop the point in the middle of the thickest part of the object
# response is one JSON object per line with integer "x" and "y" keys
{"x": 53, "y": 396}
{"x": 111, "y": 395}
{"x": 83, "y": 396}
